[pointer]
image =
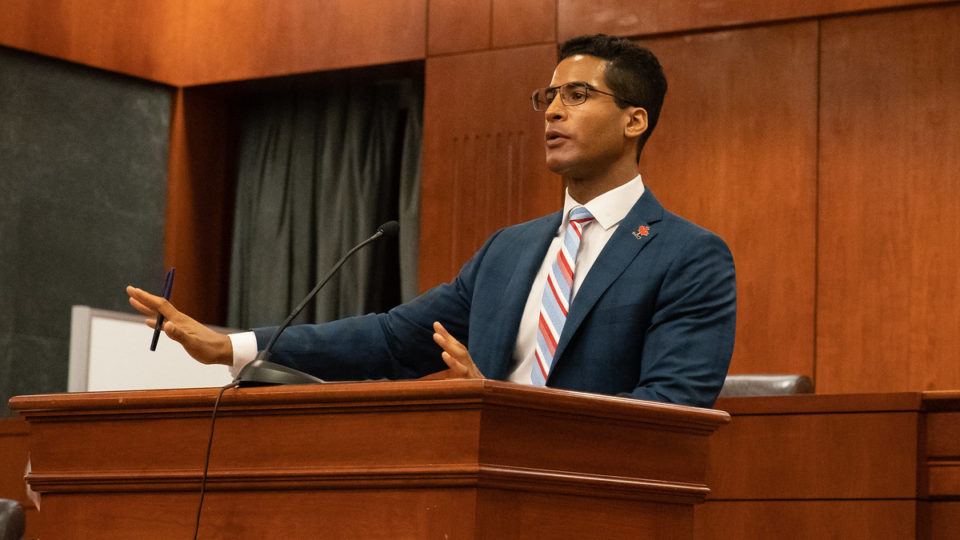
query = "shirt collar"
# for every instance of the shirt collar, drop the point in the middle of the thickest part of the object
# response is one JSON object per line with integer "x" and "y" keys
{"x": 607, "y": 208}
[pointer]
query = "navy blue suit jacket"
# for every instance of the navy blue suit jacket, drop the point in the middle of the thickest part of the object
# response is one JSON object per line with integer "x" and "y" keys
{"x": 654, "y": 318}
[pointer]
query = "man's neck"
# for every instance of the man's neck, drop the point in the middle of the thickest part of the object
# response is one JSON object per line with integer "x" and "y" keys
{"x": 583, "y": 190}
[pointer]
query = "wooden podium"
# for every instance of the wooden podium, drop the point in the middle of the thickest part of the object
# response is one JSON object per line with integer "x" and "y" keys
{"x": 411, "y": 459}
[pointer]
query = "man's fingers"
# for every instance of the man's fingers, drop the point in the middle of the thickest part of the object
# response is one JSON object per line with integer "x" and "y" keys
{"x": 447, "y": 359}
{"x": 446, "y": 341}
{"x": 454, "y": 354}
{"x": 179, "y": 335}
{"x": 171, "y": 330}
{"x": 449, "y": 345}
{"x": 440, "y": 335}
{"x": 150, "y": 304}
{"x": 144, "y": 298}
{"x": 141, "y": 308}
{"x": 456, "y": 367}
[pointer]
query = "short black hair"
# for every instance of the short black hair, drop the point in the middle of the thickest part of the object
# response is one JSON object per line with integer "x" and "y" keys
{"x": 633, "y": 73}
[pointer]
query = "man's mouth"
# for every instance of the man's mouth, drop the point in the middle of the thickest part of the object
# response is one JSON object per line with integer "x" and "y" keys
{"x": 554, "y": 138}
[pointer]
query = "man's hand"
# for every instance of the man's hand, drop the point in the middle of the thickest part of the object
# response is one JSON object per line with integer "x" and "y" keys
{"x": 200, "y": 342}
{"x": 455, "y": 355}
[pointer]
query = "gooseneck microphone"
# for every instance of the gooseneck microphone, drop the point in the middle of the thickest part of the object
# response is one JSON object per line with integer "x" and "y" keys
{"x": 261, "y": 371}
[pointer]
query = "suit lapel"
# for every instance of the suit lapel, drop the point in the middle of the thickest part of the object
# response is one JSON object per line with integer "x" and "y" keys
{"x": 634, "y": 232}
{"x": 528, "y": 259}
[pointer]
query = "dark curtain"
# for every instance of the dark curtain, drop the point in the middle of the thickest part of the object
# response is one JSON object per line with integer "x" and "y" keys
{"x": 319, "y": 171}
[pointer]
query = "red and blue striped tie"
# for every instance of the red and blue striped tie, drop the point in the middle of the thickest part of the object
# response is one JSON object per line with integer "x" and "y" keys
{"x": 557, "y": 294}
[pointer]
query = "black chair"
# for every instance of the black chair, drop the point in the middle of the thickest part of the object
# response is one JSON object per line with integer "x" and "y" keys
{"x": 13, "y": 522}
{"x": 766, "y": 385}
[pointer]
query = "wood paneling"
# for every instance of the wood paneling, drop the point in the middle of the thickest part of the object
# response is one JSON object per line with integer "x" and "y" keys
{"x": 224, "y": 40}
{"x": 191, "y": 43}
{"x": 734, "y": 151}
{"x": 13, "y": 458}
{"x": 407, "y": 459}
{"x": 806, "y": 520}
{"x": 783, "y": 457}
{"x": 200, "y": 193}
{"x": 14, "y": 452}
{"x": 944, "y": 520}
{"x": 824, "y": 403}
{"x": 640, "y": 17}
{"x": 483, "y": 154}
{"x": 888, "y": 309}
{"x": 524, "y": 22}
{"x": 834, "y": 466}
{"x": 943, "y": 452}
{"x": 373, "y": 514}
{"x": 136, "y": 38}
{"x": 580, "y": 517}
{"x": 943, "y": 435}
{"x": 457, "y": 26}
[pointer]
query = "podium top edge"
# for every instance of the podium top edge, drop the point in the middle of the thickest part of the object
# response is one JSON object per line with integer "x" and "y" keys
{"x": 459, "y": 393}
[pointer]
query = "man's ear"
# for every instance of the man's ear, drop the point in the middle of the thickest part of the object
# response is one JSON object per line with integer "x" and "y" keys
{"x": 636, "y": 122}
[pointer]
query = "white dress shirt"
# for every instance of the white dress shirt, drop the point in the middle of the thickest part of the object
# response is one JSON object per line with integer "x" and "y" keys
{"x": 608, "y": 210}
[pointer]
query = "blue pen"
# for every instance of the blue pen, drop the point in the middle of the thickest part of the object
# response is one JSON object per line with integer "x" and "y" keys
{"x": 167, "y": 287}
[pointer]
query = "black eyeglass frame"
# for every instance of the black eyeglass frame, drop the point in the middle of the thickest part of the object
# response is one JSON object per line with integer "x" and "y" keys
{"x": 581, "y": 85}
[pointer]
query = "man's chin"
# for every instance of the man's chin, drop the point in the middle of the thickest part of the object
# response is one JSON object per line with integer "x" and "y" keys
{"x": 557, "y": 165}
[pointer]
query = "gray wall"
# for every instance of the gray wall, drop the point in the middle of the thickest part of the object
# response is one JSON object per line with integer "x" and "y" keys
{"x": 83, "y": 159}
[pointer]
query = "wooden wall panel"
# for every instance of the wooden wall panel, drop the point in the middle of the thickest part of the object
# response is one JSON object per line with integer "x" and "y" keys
{"x": 225, "y": 40}
{"x": 944, "y": 520}
{"x": 200, "y": 194}
{"x": 458, "y": 26}
{"x": 735, "y": 152}
{"x": 483, "y": 154}
{"x": 781, "y": 456}
{"x": 641, "y": 17}
{"x": 943, "y": 435}
{"x": 136, "y": 38}
{"x": 806, "y": 520}
{"x": 524, "y": 22}
{"x": 888, "y": 313}
{"x": 14, "y": 451}
{"x": 192, "y": 43}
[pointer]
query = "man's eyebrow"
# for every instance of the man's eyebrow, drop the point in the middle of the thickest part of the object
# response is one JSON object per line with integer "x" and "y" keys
{"x": 580, "y": 83}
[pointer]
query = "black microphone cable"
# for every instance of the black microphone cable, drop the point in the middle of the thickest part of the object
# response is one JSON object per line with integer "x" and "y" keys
{"x": 206, "y": 462}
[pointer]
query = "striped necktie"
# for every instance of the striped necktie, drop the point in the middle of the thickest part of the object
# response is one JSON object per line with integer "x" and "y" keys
{"x": 557, "y": 294}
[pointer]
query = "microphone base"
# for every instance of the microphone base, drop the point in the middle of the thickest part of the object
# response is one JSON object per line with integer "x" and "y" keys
{"x": 263, "y": 372}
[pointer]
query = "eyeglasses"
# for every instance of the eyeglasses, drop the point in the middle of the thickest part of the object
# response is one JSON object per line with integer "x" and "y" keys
{"x": 571, "y": 94}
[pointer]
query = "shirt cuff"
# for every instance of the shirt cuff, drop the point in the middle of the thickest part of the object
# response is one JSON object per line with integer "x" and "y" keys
{"x": 244, "y": 350}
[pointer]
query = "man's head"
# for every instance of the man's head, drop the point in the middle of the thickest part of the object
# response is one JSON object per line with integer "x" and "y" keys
{"x": 632, "y": 74}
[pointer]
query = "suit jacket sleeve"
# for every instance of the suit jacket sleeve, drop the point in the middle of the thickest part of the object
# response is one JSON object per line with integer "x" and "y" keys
{"x": 394, "y": 345}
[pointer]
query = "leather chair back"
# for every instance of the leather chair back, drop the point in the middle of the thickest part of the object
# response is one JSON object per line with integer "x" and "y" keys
{"x": 12, "y": 520}
{"x": 766, "y": 385}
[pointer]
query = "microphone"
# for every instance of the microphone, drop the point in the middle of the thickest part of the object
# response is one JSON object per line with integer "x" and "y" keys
{"x": 261, "y": 371}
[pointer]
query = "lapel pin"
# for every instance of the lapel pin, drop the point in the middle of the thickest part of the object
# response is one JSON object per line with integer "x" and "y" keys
{"x": 641, "y": 232}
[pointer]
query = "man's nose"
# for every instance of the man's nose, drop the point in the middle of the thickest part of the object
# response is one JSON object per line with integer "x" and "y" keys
{"x": 556, "y": 110}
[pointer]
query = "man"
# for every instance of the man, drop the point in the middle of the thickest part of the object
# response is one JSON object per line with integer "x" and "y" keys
{"x": 613, "y": 295}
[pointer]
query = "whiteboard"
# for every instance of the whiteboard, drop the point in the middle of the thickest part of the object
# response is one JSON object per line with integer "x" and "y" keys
{"x": 110, "y": 350}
